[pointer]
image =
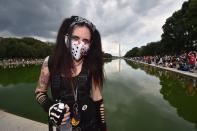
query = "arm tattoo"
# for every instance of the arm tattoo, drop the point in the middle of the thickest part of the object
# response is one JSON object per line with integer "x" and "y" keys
{"x": 41, "y": 90}
{"x": 44, "y": 77}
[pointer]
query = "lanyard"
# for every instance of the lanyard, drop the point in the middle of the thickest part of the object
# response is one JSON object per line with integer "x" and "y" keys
{"x": 76, "y": 116}
{"x": 75, "y": 90}
{"x": 75, "y": 94}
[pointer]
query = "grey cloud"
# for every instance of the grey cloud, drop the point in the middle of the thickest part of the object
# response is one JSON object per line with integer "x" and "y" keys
{"x": 81, "y": 8}
{"x": 116, "y": 22}
{"x": 126, "y": 26}
{"x": 123, "y": 4}
{"x": 31, "y": 17}
{"x": 142, "y": 7}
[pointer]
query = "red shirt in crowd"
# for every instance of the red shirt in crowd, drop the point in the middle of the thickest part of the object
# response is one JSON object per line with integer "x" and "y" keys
{"x": 192, "y": 59}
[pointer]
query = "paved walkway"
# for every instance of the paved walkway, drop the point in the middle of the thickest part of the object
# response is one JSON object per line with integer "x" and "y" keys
{"x": 10, "y": 122}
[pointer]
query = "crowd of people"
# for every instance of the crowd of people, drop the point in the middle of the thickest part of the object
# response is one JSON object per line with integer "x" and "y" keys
{"x": 184, "y": 62}
{"x": 13, "y": 63}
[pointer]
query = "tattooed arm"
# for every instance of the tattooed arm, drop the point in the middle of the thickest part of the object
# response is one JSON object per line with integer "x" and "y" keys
{"x": 42, "y": 87}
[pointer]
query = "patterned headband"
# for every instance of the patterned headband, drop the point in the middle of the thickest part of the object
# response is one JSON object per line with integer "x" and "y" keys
{"x": 78, "y": 19}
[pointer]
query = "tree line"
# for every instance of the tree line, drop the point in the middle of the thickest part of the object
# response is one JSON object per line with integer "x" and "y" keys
{"x": 179, "y": 34}
{"x": 24, "y": 48}
{"x": 27, "y": 48}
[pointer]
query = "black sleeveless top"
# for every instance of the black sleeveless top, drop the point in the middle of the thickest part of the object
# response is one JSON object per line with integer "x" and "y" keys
{"x": 61, "y": 90}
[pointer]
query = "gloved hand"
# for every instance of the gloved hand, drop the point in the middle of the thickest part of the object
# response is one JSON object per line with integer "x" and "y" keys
{"x": 56, "y": 113}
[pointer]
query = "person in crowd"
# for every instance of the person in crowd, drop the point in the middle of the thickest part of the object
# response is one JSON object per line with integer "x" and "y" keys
{"x": 191, "y": 60}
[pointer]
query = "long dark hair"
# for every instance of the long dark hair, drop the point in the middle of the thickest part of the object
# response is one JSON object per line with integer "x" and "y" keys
{"x": 62, "y": 58}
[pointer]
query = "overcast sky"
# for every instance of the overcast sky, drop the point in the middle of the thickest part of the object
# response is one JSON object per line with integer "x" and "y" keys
{"x": 130, "y": 23}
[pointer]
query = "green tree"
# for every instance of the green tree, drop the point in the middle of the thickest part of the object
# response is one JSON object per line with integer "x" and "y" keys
{"x": 24, "y": 48}
{"x": 133, "y": 52}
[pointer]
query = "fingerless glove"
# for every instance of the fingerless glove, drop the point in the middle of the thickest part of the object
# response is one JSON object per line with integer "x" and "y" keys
{"x": 100, "y": 115}
{"x": 43, "y": 99}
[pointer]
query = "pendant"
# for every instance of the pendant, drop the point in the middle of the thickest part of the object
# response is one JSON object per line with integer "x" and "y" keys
{"x": 76, "y": 116}
{"x": 74, "y": 122}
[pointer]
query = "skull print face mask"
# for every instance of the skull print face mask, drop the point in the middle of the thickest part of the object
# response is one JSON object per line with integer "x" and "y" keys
{"x": 79, "y": 49}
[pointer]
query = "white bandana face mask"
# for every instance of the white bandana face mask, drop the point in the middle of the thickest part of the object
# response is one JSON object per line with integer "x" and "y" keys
{"x": 79, "y": 49}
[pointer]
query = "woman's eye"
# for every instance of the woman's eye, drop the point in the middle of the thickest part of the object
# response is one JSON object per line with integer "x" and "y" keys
{"x": 86, "y": 41}
{"x": 75, "y": 38}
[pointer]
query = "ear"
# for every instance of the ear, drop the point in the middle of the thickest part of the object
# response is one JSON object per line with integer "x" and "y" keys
{"x": 66, "y": 40}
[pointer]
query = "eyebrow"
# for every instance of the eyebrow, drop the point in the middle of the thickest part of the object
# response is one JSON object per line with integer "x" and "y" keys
{"x": 75, "y": 36}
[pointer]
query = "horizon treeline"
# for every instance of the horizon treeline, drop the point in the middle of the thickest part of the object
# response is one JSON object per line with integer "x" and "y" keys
{"x": 24, "y": 48}
{"x": 27, "y": 47}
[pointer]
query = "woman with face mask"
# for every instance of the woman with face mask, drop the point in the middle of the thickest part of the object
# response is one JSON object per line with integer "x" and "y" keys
{"x": 74, "y": 72}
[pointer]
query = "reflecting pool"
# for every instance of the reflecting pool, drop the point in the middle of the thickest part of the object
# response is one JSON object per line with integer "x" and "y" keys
{"x": 137, "y": 97}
